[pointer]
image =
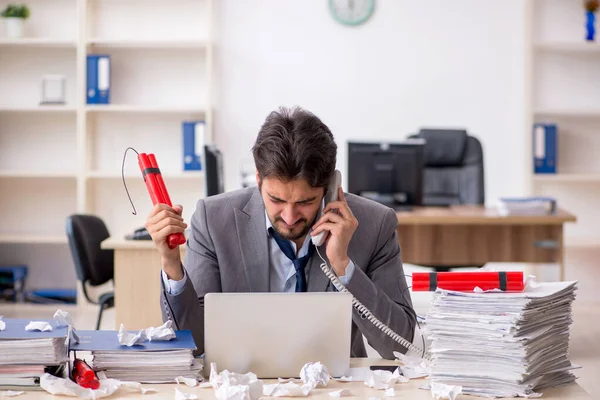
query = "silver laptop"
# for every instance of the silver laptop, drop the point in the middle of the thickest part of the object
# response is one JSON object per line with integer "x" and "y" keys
{"x": 274, "y": 334}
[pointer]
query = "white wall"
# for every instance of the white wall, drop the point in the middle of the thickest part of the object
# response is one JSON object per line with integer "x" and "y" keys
{"x": 453, "y": 63}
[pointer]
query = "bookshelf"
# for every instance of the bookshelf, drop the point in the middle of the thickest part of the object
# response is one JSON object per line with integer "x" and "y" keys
{"x": 564, "y": 89}
{"x": 161, "y": 75}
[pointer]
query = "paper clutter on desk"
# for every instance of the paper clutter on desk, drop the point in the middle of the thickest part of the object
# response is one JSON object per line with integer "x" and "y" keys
{"x": 413, "y": 367}
{"x": 191, "y": 382}
{"x": 66, "y": 387}
{"x": 340, "y": 393}
{"x": 62, "y": 318}
{"x": 41, "y": 326}
{"x": 381, "y": 379}
{"x": 232, "y": 386}
{"x": 179, "y": 395}
{"x": 287, "y": 389}
{"x": 130, "y": 339}
{"x": 2, "y": 325}
{"x": 163, "y": 332}
{"x": 138, "y": 386}
{"x": 11, "y": 393}
{"x": 443, "y": 391}
{"x": 315, "y": 373}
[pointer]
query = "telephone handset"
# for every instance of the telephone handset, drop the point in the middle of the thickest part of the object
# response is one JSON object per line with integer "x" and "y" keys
{"x": 332, "y": 195}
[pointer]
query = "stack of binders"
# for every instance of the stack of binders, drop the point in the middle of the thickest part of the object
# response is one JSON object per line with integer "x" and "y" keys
{"x": 26, "y": 355}
{"x": 502, "y": 344}
{"x": 148, "y": 362}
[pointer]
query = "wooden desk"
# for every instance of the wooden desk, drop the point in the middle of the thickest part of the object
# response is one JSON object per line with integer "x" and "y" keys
{"x": 428, "y": 236}
{"x": 408, "y": 390}
{"x": 137, "y": 282}
{"x": 472, "y": 235}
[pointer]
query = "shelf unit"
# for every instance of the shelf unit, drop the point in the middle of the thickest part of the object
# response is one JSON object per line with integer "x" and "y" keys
{"x": 56, "y": 160}
{"x": 564, "y": 88}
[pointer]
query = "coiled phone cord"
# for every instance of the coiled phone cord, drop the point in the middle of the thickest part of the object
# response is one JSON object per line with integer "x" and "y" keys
{"x": 364, "y": 311}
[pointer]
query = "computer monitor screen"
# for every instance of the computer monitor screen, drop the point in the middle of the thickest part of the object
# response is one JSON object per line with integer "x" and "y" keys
{"x": 389, "y": 173}
{"x": 213, "y": 170}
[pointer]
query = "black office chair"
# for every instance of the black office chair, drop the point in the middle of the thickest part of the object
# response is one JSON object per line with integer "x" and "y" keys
{"x": 453, "y": 172}
{"x": 93, "y": 265}
{"x": 453, "y": 168}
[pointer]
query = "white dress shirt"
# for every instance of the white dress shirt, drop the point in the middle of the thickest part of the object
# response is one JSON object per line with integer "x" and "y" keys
{"x": 282, "y": 273}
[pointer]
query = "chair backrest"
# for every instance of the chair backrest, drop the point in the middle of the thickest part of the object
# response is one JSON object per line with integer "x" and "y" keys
{"x": 93, "y": 265}
{"x": 454, "y": 171}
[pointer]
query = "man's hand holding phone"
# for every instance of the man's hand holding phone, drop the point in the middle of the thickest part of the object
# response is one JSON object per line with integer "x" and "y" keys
{"x": 161, "y": 222}
{"x": 341, "y": 226}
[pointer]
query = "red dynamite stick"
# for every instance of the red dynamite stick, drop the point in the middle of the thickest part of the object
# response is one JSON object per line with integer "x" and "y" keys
{"x": 467, "y": 281}
{"x": 160, "y": 181}
{"x": 158, "y": 191}
{"x": 84, "y": 375}
{"x": 150, "y": 179}
{"x": 88, "y": 384}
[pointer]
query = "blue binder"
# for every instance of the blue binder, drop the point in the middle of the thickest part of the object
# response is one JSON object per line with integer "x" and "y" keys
{"x": 15, "y": 329}
{"x": 98, "y": 79}
{"x": 109, "y": 341}
{"x": 545, "y": 143}
{"x": 193, "y": 144}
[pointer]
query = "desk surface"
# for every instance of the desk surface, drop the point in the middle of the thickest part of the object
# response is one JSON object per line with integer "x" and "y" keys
{"x": 455, "y": 215}
{"x": 408, "y": 390}
{"x": 124, "y": 244}
{"x": 477, "y": 215}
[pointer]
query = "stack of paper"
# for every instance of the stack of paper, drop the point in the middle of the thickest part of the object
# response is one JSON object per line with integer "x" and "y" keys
{"x": 502, "y": 344}
{"x": 146, "y": 362}
{"x": 526, "y": 206}
{"x": 26, "y": 355}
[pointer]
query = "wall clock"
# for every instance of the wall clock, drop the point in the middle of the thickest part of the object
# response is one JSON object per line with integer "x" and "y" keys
{"x": 351, "y": 12}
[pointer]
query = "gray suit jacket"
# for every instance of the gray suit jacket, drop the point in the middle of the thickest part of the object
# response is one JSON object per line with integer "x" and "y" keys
{"x": 227, "y": 251}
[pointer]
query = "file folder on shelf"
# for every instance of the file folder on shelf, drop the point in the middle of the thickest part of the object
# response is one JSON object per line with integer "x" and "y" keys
{"x": 193, "y": 145}
{"x": 545, "y": 143}
{"x": 98, "y": 79}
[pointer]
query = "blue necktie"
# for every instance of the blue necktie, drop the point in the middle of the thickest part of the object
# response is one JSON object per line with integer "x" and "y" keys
{"x": 299, "y": 263}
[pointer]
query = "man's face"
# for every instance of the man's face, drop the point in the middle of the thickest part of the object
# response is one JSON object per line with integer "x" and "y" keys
{"x": 291, "y": 206}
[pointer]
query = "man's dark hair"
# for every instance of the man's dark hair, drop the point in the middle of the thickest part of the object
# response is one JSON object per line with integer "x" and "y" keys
{"x": 295, "y": 144}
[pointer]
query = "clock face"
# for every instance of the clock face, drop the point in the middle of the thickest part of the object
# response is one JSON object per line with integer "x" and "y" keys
{"x": 351, "y": 12}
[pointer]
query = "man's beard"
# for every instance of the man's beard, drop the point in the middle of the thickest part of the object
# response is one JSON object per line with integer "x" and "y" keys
{"x": 286, "y": 234}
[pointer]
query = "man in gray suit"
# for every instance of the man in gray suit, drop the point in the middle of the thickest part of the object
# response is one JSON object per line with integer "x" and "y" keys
{"x": 258, "y": 239}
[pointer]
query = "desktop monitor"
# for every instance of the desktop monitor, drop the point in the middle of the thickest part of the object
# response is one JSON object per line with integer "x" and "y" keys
{"x": 389, "y": 173}
{"x": 213, "y": 170}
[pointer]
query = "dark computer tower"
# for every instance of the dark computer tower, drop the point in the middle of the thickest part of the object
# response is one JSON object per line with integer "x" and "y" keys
{"x": 213, "y": 163}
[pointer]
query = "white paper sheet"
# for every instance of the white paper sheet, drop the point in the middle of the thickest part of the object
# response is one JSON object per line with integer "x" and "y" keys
{"x": 381, "y": 380}
{"x": 41, "y": 326}
{"x": 130, "y": 339}
{"x": 287, "y": 389}
{"x": 340, "y": 393}
{"x": 413, "y": 367}
{"x": 63, "y": 318}
{"x": 66, "y": 387}
{"x": 11, "y": 393}
{"x": 315, "y": 373}
{"x": 179, "y": 395}
{"x": 232, "y": 386}
{"x": 163, "y": 332}
{"x": 191, "y": 382}
{"x": 442, "y": 391}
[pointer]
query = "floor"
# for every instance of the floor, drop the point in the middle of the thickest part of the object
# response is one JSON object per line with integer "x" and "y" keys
{"x": 581, "y": 266}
